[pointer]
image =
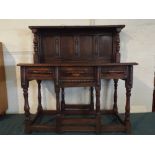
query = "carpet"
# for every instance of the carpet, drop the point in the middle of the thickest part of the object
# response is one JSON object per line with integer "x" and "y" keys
{"x": 142, "y": 124}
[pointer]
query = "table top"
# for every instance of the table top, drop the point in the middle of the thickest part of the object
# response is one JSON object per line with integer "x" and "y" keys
{"x": 76, "y": 64}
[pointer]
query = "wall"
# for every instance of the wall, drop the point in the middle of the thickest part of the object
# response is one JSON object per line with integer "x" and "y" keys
{"x": 137, "y": 45}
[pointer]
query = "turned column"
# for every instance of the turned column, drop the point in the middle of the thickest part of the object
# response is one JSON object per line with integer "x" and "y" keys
{"x": 115, "y": 108}
{"x": 62, "y": 99}
{"x": 39, "y": 97}
{"x": 98, "y": 116}
{"x": 26, "y": 109}
{"x": 91, "y": 98}
{"x": 25, "y": 86}
{"x": 58, "y": 116}
{"x": 116, "y": 46}
{"x": 58, "y": 108}
{"x": 97, "y": 99}
{"x": 97, "y": 89}
{"x": 26, "y": 104}
{"x": 36, "y": 41}
{"x": 128, "y": 86}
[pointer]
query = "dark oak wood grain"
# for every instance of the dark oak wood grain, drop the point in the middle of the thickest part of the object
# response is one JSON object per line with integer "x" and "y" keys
{"x": 77, "y": 56}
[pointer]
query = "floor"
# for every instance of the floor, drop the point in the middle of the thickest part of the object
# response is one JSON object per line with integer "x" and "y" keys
{"x": 142, "y": 124}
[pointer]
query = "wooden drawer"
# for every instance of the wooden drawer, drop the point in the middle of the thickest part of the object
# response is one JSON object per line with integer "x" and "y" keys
{"x": 115, "y": 72}
{"x": 77, "y": 73}
{"x": 40, "y": 73}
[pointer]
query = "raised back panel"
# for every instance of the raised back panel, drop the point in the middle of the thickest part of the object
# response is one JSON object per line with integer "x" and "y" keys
{"x": 76, "y": 47}
{"x": 105, "y": 46}
{"x": 67, "y": 47}
{"x": 86, "y": 46}
{"x": 76, "y": 43}
{"x": 49, "y": 46}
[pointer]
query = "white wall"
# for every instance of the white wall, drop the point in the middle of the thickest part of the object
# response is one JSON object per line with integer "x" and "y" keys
{"x": 137, "y": 45}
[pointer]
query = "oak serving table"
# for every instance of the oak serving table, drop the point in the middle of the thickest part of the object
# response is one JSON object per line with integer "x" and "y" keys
{"x": 77, "y": 56}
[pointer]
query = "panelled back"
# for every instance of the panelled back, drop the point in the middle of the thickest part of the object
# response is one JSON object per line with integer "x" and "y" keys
{"x": 75, "y": 44}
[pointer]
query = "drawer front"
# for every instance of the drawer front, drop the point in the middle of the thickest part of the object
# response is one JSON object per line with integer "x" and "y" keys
{"x": 40, "y": 73}
{"x": 115, "y": 72}
{"x": 77, "y": 73}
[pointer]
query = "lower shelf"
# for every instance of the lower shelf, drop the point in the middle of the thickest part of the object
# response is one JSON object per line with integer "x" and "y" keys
{"x": 77, "y": 123}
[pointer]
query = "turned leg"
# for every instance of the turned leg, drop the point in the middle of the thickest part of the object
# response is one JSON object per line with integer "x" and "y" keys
{"x": 127, "y": 107}
{"x": 40, "y": 109}
{"x": 115, "y": 108}
{"x": 27, "y": 110}
{"x": 98, "y": 116}
{"x": 91, "y": 98}
{"x": 58, "y": 117}
{"x": 62, "y": 99}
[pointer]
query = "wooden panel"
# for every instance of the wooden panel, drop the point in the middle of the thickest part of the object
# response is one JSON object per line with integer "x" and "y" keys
{"x": 77, "y": 73}
{"x": 40, "y": 70}
{"x": 50, "y": 46}
{"x": 85, "y": 47}
{"x": 86, "y": 50}
{"x": 105, "y": 46}
{"x": 67, "y": 47}
{"x": 117, "y": 72}
{"x": 75, "y": 45}
{"x": 3, "y": 90}
{"x": 40, "y": 73}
